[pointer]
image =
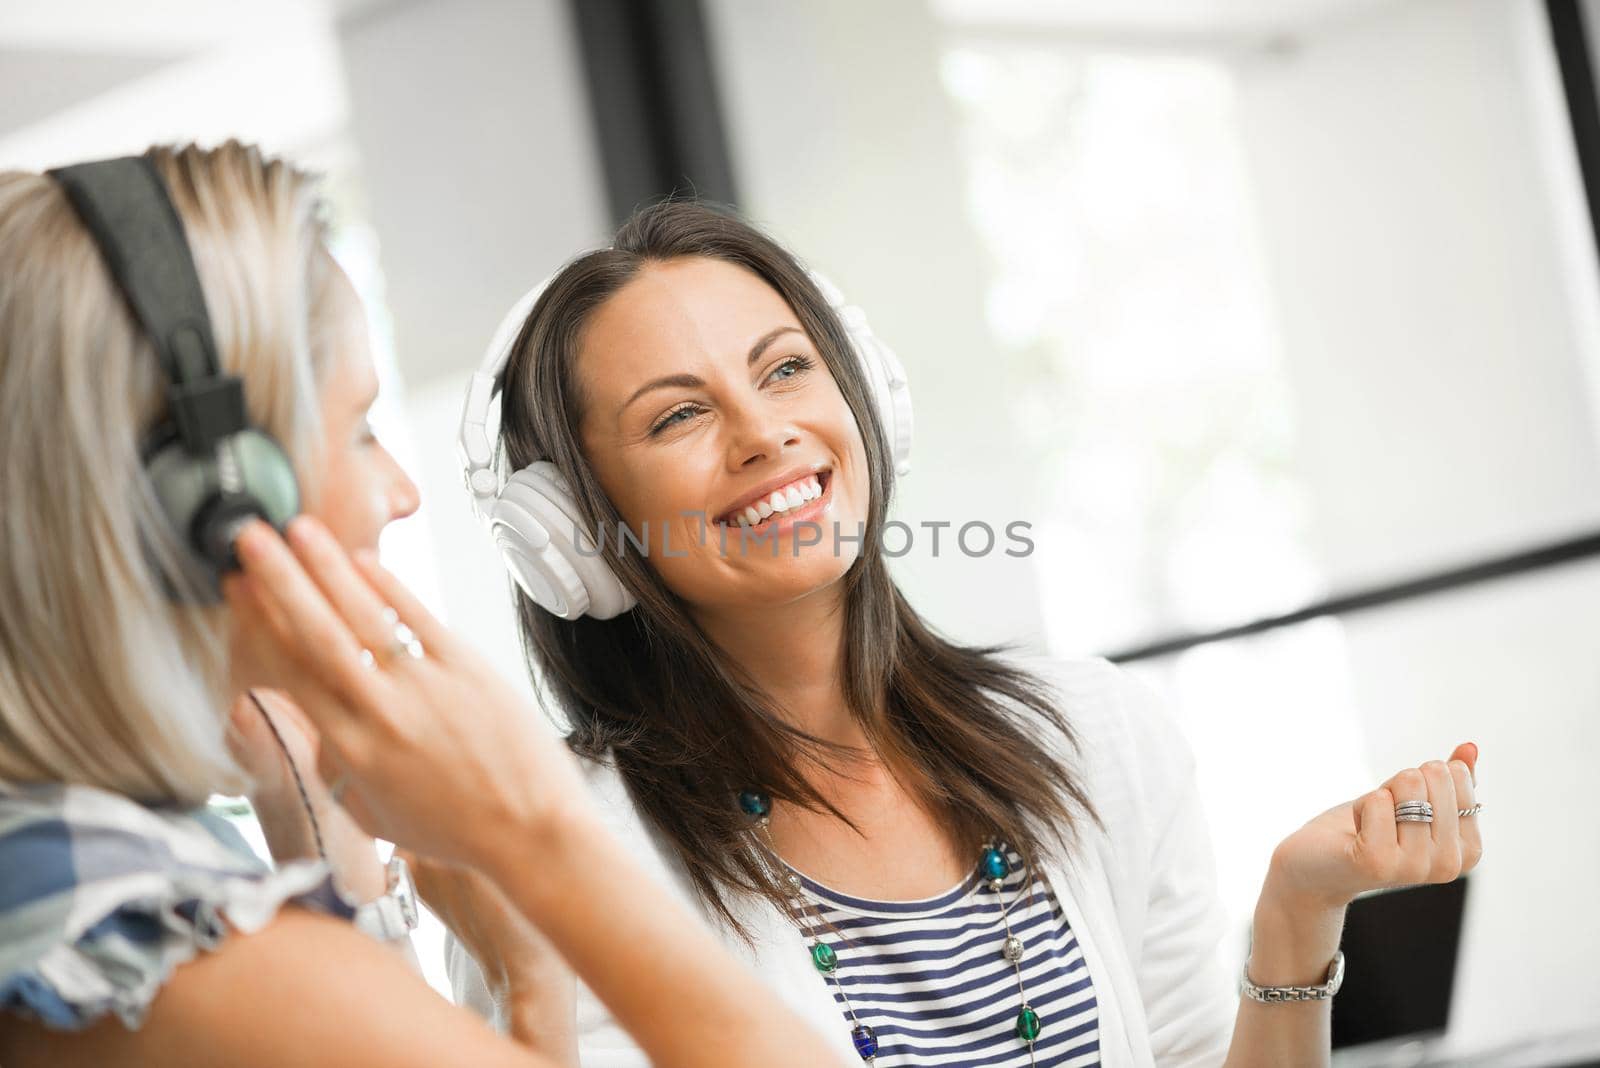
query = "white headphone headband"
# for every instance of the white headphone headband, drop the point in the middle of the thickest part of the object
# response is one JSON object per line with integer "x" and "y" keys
{"x": 472, "y": 437}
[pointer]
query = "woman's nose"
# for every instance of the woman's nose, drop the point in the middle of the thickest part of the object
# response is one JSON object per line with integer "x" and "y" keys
{"x": 404, "y": 497}
{"x": 757, "y": 433}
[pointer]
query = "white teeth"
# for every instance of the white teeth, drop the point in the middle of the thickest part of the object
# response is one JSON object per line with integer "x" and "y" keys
{"x": 791, "y": 496}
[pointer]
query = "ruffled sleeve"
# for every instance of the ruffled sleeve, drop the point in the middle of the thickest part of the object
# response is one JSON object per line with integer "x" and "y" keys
{"x": 102, "y": 898}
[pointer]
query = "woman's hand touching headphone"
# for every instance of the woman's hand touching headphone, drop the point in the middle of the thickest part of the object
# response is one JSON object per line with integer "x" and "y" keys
{"x": 425, "y": 744}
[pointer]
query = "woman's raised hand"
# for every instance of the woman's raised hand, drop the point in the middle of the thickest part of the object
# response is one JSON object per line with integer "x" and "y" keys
{"x": 1360, "y": 845}
{"x": 436, "y": 752}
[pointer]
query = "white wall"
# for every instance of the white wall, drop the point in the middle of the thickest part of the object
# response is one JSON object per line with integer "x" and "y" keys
{"x": 1419, "y": 208}
{"x": 83, "y": 88}
{"x": 473, "y": 125}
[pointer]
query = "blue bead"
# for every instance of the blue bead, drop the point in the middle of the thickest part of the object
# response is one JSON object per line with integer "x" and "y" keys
{"x": 995, "y": 865}
{"x": 866, "y": 1042}
{"x": 755, "y": 803}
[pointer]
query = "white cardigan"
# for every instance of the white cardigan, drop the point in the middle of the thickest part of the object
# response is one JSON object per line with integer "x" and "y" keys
{"x": 1142, "y": 898}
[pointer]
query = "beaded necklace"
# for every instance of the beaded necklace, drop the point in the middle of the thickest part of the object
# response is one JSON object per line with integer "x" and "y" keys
{"x": 825, "y": 958}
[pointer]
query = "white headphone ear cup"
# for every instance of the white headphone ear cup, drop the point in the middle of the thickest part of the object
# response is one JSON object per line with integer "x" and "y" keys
{"x": 891, "y": 388}
{"x": 603, "y": 595}
{"x": 518, "y": 521}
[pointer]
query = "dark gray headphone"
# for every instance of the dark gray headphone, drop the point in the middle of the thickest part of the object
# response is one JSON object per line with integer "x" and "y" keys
{"x": 211, "y": 470}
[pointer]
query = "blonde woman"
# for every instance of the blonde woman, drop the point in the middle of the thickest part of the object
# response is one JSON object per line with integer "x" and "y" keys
{"x": 942, "y": 855}
{"x": 135, "y": 929}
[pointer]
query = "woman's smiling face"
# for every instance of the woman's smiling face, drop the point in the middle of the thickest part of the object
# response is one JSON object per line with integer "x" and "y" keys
{"x": 701, "y": 391}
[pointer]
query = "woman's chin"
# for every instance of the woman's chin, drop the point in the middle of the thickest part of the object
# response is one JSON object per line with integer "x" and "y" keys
{"x": 785, "y": 578}
{"x": 768, "y": 582}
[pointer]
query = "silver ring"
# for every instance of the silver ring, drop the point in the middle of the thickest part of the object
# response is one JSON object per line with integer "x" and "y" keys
{"x": 1413, "y": 812}
{"x": 1473, "y": 811}
{"x": 405, "y": 641}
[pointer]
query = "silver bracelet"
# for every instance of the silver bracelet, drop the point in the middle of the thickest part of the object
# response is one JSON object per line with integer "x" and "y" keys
{"x": 394, "y": 915}
{"x": 1271, "y": 994}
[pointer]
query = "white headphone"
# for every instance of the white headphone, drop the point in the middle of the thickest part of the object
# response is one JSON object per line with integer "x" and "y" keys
{"x": 533, "y": 517}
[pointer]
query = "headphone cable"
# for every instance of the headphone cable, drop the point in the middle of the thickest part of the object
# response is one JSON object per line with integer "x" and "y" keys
{"x": 305, "y": 799}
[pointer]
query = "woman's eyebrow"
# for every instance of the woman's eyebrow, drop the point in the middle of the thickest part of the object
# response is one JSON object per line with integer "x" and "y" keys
{"x": 766, "y": 339}
{"x": 688, "y": 381}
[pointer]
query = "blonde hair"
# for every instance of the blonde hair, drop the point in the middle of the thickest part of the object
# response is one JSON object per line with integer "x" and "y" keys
{"x": 103, "y": 679}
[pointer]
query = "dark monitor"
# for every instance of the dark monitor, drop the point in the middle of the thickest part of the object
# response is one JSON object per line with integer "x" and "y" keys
{"x": 1400, "y": 949}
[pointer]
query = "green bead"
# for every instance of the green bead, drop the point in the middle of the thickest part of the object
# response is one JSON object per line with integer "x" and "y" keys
{"x": 823, "y": 956}
{"x": 1028, "y": 1026}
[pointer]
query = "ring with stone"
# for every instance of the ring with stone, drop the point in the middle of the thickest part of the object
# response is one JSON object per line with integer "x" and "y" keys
{"x": 1413, "y": 812}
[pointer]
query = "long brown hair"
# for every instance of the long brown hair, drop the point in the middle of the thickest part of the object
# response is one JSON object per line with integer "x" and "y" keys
{"x": 686, "y": 729}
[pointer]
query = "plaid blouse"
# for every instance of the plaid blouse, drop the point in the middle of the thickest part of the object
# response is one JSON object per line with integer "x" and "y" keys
{"x": 102, "y": 897}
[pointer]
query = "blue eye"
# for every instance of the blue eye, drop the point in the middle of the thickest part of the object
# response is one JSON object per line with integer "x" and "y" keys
{"x": 795, "y": 365}
{"x": 800, "y": 364}
{"x": 671, "y": 418}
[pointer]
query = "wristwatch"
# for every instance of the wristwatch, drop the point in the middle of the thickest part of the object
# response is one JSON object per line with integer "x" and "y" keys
{"x": 394, "y": 915}
{"x": 1270, "y": 994}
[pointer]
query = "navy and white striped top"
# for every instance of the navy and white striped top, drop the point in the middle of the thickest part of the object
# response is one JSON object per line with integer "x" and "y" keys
{"x": 930, "y": 979}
